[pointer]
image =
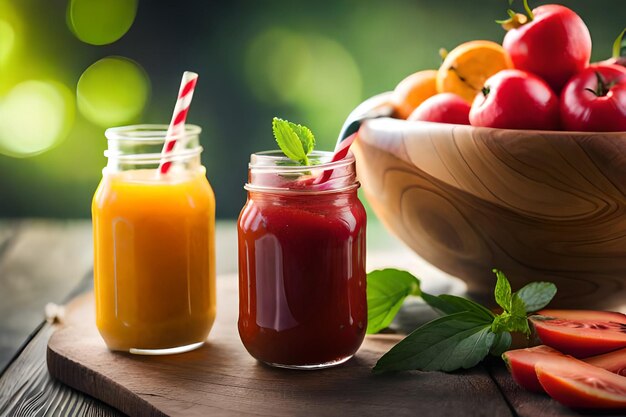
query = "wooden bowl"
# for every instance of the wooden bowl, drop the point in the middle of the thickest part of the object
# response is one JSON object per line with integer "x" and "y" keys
{"x": 541, "y": 206}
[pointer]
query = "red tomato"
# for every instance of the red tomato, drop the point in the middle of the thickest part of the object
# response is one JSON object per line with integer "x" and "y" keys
{"x": 595, "y": 315}
{"x": 443, "y": 108}
{"x": 613, "y": 361}
{"x": 579, "y": 385}
{"x": 555, "y": 44}
{"x": 521, "y": 364}
{"x": 514, "y": 99}
{"x": 580, "y": 338}
{"x": 595, "y": 100}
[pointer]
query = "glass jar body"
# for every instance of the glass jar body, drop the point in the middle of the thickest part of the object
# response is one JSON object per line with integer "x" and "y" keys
{"x": 302, "y": 281}
{"x": 154, "y": 260}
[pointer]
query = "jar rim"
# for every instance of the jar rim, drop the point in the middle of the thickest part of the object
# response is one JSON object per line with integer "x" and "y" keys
{"x": 273, "y": 172}
{"x": 147, "y": 132}
{"x": 267, "y": 161}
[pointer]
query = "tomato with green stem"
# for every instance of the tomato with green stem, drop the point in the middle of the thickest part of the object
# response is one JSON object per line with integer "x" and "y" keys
{"x": 595, "y": 100}
{"x": 550, "y": 41}
{"x": 514, "y": 99}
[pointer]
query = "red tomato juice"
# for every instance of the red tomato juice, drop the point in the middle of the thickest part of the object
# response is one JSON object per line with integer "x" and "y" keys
{"x": 302, "y": 277}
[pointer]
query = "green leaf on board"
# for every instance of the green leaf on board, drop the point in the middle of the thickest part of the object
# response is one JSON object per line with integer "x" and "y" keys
{"x": 501, "y": 343}
{"x": 386, "y": 291}
{"x": 537, "y": 295}
{"x": 450, "y": 304}
{"x": 459, "y": 340}
{"x": 503, "y": 291}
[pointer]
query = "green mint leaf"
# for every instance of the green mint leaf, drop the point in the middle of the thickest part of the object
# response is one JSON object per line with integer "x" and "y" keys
{"x": 450, "y": 304}
{"x": 288, "y": 141}
{"x": 537, "y": 295}
{"x": 459, "y": 340}
{"x": 501, "y": 343}
{"x": 386, "y": 291}
{"x": 502, "y": 291}
{"x": 514, "y": 320}
{"x": 305, "y": 136}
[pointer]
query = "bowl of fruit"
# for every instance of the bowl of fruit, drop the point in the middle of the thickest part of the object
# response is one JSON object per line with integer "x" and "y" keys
{"x": 509, "y": 156}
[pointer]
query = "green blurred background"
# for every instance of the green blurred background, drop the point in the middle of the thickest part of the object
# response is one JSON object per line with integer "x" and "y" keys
{"x": 69, "y": 69}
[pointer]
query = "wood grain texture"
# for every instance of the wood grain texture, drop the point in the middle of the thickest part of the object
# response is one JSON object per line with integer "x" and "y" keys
{"x": 27, "y": 390}
{"x": 538, "y": 205}
{"x": 41, "y": 261}
{"x": 222, "y": 379}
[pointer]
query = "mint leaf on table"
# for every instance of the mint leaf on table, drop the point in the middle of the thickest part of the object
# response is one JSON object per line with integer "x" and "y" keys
{"x": 465, "y": 334}
{"x": 386, "y": 291}
{"x": 458, "y": 340}
{"x": 537, "y": 295}
{"x": 450, "y": 304}
{"x": 516, "y": 306}
{"x": 501, "y": 343}
{"x": 503, "y": 291}
{"x": 296, "y": 141}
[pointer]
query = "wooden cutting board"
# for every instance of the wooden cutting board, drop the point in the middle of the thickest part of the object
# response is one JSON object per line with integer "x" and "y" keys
{"x": 222, "y": 379}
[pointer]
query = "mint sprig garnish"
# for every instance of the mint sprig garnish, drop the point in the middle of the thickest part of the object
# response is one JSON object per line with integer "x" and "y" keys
{"x": 465, "y": 334}
{"x": 296, "y": 141}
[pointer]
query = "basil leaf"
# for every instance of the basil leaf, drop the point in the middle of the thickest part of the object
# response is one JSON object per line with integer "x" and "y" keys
{"x": 288, "y": 141}
{"x": 450, "y": 304}
{"x": 501, "y": 343}
{"x": 386, "y": 291}
{"x": 503, "y": 291}
{"x": 459, "y": 340}
{"x": 537, "y": 295}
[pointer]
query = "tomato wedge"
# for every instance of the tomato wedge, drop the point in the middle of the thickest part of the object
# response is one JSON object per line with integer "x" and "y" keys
{"x": 584, "y": 315}
{"x": 521, "y": 363}
{"x": 613, "y": 361}
{"x": 577, "y": 384}
{"x": 580, "y": 338}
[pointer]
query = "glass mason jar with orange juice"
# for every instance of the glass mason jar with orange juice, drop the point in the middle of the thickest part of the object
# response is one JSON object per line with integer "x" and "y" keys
{"x": 154, "y": 249}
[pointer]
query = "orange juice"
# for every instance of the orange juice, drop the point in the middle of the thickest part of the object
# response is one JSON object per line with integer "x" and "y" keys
{"x": 154, "y": 266}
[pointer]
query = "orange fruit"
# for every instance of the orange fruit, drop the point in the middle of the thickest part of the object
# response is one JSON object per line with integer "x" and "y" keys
{"x": 412, "y": 91}
{"x": 466, "y": 68}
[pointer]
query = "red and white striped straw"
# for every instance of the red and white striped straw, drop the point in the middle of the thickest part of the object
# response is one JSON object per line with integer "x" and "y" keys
{"x": 177, "y": 125}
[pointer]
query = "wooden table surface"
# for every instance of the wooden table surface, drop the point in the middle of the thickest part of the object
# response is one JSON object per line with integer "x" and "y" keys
{"x": 45, "y": 261}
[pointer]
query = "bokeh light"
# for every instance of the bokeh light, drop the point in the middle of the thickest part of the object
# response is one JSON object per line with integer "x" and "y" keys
{"x": 113, "y": 91}
{"x": 34, "y": 117}
{"x": 313, "y": 73}
{"x": 7, "y": 41}
{"x": 100, "y": 22}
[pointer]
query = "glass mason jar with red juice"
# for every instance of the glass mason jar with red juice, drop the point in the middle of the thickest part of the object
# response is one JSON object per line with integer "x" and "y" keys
{"x": 302, "y": 281}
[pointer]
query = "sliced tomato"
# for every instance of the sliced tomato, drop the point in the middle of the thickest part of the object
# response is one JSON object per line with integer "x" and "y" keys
{"x": 521, "y": 364}
{"x": 580, "y": 338}
{"x": 584, "y": 315}
{"x": 579, "y": 385}
{"x": 613, "y": 361}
